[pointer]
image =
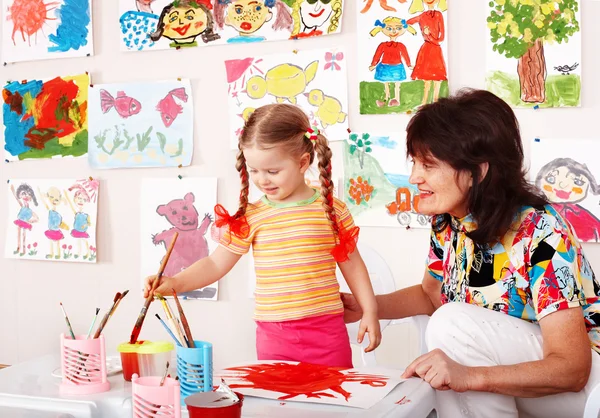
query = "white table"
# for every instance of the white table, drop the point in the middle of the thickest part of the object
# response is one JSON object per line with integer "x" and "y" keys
{"x": 28, "y": 390}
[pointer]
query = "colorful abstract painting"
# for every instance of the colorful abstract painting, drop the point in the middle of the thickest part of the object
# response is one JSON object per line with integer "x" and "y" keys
{"x": 184, "y": 206}
{"x": 402, "y": 54}
{"x": 52, "y": 219}
{"x": 148, "y": 124}
{"x": 567, "y": 171}
{"x": 301, "y": 382}
{"x": 315, "y": 80}
{"x": 376, "y": 182}
{"x": 533, "y": 54}
{"x": 46, "y": 29}
{"x": 168, "y": 24}
{"x": 45, "y": 119}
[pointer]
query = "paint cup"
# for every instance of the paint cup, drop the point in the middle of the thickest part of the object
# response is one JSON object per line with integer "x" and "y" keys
{"x": 214, "y": 405}
{"x": 194, "y": 368}
{"x": 153, "y": 356}
{"x": 129, "y": 358}
{"x": 83, "y": 365}
{"x": 149, "y": 399}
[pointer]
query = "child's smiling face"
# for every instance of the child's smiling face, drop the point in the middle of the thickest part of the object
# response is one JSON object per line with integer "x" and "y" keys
{"x": 393, "y": 30}
{"x": 184, "y": 23}
{"x": 560, "y": 185}
{"x": 247, "y": 16}
{"x": 54, "y": 196}
{"x": 80, "y": 200}
{"x": 315, "y": 13}
{"x": 25, "y": 196}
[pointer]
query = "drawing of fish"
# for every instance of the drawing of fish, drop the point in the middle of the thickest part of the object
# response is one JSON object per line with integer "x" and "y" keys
{"x": 169, "y": 108}
{"x": 124, "y": 105}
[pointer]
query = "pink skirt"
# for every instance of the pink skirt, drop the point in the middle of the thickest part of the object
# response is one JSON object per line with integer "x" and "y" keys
{"x": 319, "y": 340}
{"x": 79, "y": 234}
{"x": 23, "y": 224}
{"x": 54, "y": 235}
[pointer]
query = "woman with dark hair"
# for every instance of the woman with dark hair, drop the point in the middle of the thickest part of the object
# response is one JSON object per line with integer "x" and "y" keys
{"x": 513, "y": 300}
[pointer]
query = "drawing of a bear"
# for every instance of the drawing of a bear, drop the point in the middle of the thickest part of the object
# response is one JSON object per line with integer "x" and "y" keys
{"x": 191, "y": 244}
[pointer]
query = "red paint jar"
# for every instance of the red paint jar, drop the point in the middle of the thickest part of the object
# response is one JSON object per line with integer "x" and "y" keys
{"x": 129, "y": 359}
{"x": 214, "y": 405}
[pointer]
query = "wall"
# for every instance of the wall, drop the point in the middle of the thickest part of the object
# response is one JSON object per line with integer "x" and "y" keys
{"x": 30, "y": 317}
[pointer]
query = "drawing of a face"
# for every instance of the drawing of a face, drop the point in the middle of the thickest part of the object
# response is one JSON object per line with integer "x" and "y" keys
{"x": 315, "y": 13}
{"x": 80, "y": 199}
{"x": 247, "y": 16}
{"x": 54, "y": 196}
{"x": 25, "y": 196}
{"x": 393, "y": 29}
{"x": 184, "y": 24}
{"x": 560, "y": 185}
{"x": 431, "y": 3}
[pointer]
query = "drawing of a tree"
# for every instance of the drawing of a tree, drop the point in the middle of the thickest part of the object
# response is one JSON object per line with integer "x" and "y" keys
{"x": 520, "y": 28}
{"x": 360, "y": 146}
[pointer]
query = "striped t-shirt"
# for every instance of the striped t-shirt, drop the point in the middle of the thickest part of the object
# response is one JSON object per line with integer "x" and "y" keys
{"x": 295, "y": 271}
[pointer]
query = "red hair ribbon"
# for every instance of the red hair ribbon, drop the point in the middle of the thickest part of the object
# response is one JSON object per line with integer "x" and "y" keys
{"x": 238, "y": 227}
{"x": 347, "y": 244}
{"x": 312, "y": 133}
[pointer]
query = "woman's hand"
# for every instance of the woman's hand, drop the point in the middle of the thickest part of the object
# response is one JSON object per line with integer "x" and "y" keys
{"x": 352, "y": 310}
{"x": 165, "y": 287}
{"x": 440, "y": 371}
{"x": 370, "y": 324}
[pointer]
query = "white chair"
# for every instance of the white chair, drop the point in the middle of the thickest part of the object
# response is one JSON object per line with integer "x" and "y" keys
{"x": 382, "y": 281}
{"x": 592, "y": 405}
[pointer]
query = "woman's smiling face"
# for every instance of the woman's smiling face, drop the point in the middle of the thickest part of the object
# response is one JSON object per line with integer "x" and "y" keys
{"x": 184, "y": 23}
{"x": 247, "y": 16}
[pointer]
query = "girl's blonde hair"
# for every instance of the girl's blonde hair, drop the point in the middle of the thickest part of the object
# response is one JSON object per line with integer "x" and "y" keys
{"x": 379, "y": 25}
{"x": 285, "y": 125}
{"x": 417, "y": 6}
{"x": 334, "y": 21}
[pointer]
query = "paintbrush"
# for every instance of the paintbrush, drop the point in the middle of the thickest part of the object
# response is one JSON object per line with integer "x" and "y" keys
{"x": 107, "y": 315}
{"x": 93, "y": 322}
{"x": 116, "y": 305}
{"x": 68, "y": 322}
{"x": 138, "y": 324}
{"x": 184, "y": 322}
{"x": 171, "y": 319}
{"x": 169, "y": 330}
{"x": 162, "y": 381}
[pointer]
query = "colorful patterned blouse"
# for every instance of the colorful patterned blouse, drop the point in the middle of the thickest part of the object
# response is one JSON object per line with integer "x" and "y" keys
{"x": 536, "y": 269}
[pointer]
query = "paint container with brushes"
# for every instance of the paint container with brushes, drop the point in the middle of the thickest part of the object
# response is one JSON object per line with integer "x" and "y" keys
{"x": 195, "y": 368}
{"x": 151, "y": 399}
{"x": 83, "y": 365}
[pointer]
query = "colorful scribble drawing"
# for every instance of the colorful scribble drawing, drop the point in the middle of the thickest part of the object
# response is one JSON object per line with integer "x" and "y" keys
{"x": 529, "y": 34}
{"x": 124, "y": 105}
{"x": 46, "y": 119}
{"x": 182, "y": 21}
{"x": 191, "y": 244}
{"x": 376, "y": 187}
{"x": 51, "y": 199}
{"x": 29, "y": 17}
{"x": 300, "y": 379}
{"x": 84, "y": 192}
{"x": 316, "y": 17}
{"x": 169, "y": 108}
{"x": 566, "y": 183}
{"x": 26, "y": 216}
{"x": 284, "y": 82}
{"x": 73, "y": 31}
{"x": 247, "y": 17}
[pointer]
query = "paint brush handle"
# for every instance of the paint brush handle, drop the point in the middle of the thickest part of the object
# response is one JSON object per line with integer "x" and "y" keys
{"x": 184, "y": 322}
{"x": 102, "y": 324}
{"x": 138, "y": 324}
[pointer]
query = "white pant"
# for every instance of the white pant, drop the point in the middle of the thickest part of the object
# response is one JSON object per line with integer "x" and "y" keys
{"x": 475, "y": 336}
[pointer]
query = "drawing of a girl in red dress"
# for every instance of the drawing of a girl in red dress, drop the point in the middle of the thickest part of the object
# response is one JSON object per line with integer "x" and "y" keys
{"x": 430, "y": 66}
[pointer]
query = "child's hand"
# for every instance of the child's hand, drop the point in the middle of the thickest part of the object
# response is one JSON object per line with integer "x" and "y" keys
{"x": 372, "y": 67}
{"x": 164, "y": 288}
{"x": 370, "y": 323}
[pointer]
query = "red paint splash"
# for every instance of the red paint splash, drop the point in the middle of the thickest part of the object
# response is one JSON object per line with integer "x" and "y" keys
{"x": 305, "y": 379}
{"x": 29, "y": 16}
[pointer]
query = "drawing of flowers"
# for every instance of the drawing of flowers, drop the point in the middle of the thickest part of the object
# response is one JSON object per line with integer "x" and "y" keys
{"x": 32, "y": 249}
{"x": 360, "y": 191}
{"x": 67, "y": 251}
{"x": 92, "y": 253}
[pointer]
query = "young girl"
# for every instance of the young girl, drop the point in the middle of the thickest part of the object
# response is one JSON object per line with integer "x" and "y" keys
{"x": 82, "y": 220}
{"x": 388, "y": 61}
{"x": 55, "y": 222}
{"x": 26, "y": 216}
{"x": 297, "y": 235}
{"x": 248, "y": 16}
{"x": 182, "y": 21}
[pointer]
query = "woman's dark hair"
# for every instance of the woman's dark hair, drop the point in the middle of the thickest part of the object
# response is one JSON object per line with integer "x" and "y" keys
{"x": 207, "y": 36}
{"x": 468, "y": 129}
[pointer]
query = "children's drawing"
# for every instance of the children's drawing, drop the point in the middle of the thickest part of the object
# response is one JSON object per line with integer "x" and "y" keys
{"x": 164, "y": 24}
{"x": 534, "y": 52}
{"x": 46, "y": 29}
{"x": 566, "y": 171}
{"x": 302, "y": 382}
{"x": 146, "y": 124}
{"x": 52, "y": 219}
{"x": 402, "y": 68}
{"x": 184, "y": 206}
{"x": 376, "y": 186}
{"x": 304, "y": 78}
{"x": 46, "y": 119}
